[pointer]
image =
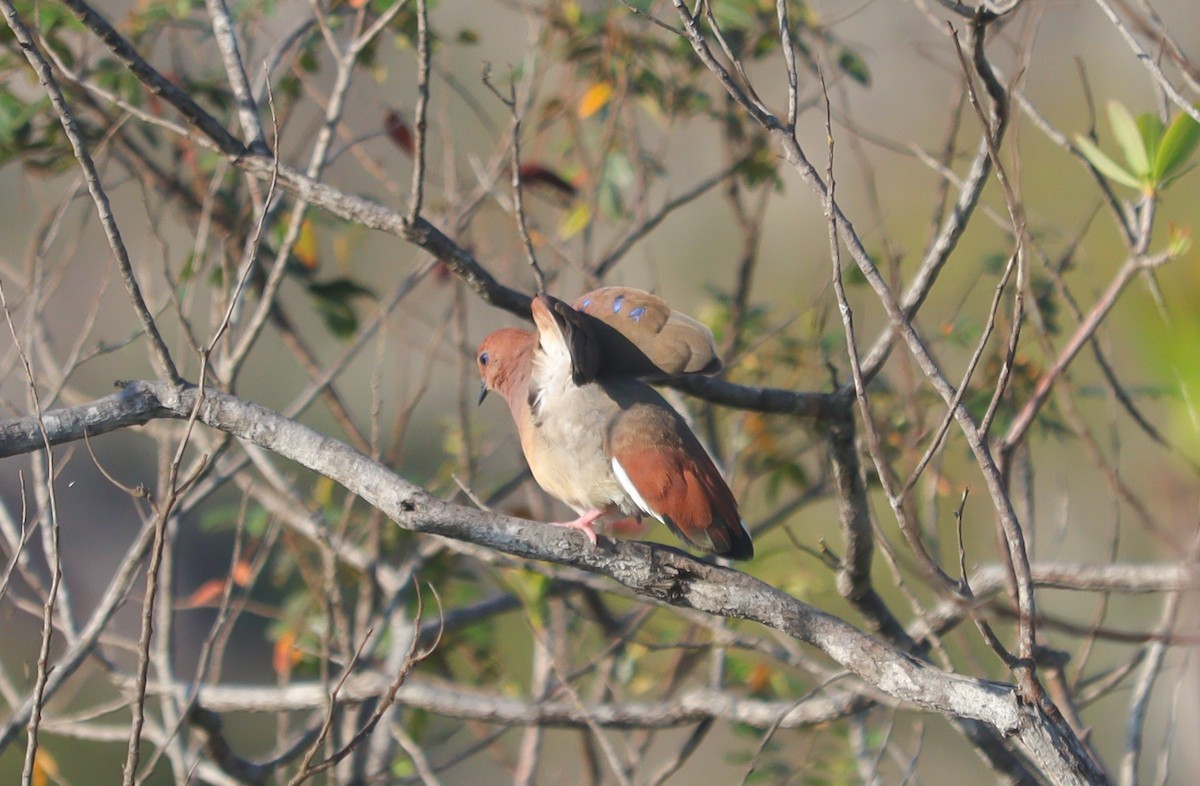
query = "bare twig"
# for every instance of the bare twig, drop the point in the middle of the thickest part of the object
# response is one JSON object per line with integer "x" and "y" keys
{"x": 1151, "y": 63}
{"x": 1082, "y": 335}
{"x": 39, "y": 695}
{"x": 637, "y": 233}
{"x": 420, "y": 123}
{"x": 510, "y": 101}
{"x": 1139, "y": 703}
{"x": 235, "y": 69}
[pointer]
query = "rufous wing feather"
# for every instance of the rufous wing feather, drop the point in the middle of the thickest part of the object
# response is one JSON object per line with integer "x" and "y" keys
{"x": 667, "y": 472}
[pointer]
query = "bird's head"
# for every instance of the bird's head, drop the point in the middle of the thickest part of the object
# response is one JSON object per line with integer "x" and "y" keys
{"x": 504, "y": 360}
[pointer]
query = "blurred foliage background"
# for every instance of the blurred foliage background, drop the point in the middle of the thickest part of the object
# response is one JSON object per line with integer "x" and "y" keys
{"x": 636, "y": 169}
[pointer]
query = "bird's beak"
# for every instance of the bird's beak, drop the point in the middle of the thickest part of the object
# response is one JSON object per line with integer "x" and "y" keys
{"x": 483, "y": 391}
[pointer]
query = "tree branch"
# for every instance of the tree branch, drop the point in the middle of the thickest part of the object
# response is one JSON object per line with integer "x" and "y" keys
{"x": 656, "y": 572}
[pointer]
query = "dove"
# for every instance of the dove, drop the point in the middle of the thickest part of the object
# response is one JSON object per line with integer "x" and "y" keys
{"x": 595, "y": 436}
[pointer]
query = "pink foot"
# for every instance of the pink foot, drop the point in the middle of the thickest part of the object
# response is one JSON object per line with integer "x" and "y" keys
{"x": 583, "y": 524}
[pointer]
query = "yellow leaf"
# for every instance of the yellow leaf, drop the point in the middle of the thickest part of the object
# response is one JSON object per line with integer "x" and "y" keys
{"x": 341, "y": 250}
{"x": 44, "y": 767}
{"x": 594, "y": 99}
{"x": 572, "y": 13}
{"x": 579, "y": 217}
{"x": 323, "y": 491}
{"x": 305, "y": 249}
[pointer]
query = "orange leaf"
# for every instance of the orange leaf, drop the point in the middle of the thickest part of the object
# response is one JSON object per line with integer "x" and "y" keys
{"x": 594, "y": 99}
{"x": 44, "y": 767}
{"x": 762, "y": 434}
{"x": 286, "y": 653}
{"x": 759, "y": 679}
{"x": 207, "y": 593}
{"x": 241, "y": 573}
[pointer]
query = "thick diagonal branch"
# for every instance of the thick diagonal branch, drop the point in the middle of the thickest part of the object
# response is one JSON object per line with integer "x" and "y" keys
{"x": 655, "y": 572}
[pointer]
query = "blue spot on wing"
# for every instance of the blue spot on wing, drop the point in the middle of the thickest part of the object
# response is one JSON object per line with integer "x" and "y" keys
{"x": 620, "y": 299}
{"x": 636, "y": 314}
{"x": 587, "y": 304}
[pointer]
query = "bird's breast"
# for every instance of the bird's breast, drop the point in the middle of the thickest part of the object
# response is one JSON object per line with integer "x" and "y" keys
{"x": 564, "y": 443}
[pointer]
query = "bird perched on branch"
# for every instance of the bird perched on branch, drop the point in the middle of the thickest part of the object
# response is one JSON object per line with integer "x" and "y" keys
{"x": 598, "y": 438}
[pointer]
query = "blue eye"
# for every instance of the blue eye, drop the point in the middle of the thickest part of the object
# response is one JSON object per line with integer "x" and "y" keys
{"x": 483, "y": 359}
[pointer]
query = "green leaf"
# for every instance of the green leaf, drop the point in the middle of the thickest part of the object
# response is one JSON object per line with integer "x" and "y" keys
{"x": 1125, "y": 129}
{"x": 761, "y": 165}
{"x": 1180, "y": 240}
{"x": 333, "y": 300}
{"x": 53, "y": 17}
{"x": 994, "y": 263}
{"x": 854, "y": 67}
{"x": 340, "y": 289}
{"x": 734, "y": 15}
{"x": 1151, "y": 130}
{"x": 308, "y": 61}
{"x": 618, "y": 170}
{"x": 1107, "y": 167}
{"x": 339, "y": 317}
{"x": 611, "y": 204}
{"x": 1178, "y": 144}
{"x": 1167, "y": 181}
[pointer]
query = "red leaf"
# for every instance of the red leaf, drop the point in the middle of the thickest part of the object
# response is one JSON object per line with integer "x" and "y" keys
{"x": 538, "y": 175}
{"x": 399, "y": 132}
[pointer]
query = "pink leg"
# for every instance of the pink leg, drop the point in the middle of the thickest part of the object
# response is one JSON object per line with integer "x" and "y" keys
{"x": 583, "y": 523}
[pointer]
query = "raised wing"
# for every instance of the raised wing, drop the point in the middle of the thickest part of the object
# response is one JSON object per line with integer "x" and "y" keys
{"x": 641, "y": 336}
